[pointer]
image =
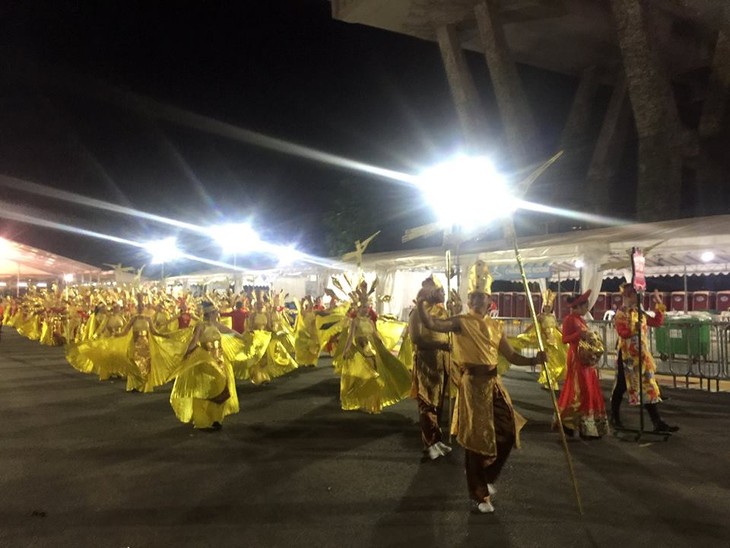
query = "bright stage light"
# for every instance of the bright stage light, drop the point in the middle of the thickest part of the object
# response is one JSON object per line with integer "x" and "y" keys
{"x": 236, "y": 237}
{"x": 68, "y": 278}
{"x": 163, "y": 251}
{"x": 707, "y": 256}
{"x": 7, "y": 250}
{"x": 287, "y": 255}
{"x": 467, "y": 191}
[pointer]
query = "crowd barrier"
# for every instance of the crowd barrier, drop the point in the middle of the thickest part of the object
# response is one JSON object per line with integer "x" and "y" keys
{"x": 682, "y": 349}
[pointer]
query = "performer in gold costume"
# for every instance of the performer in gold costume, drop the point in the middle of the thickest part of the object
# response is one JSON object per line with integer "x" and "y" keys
{"x": 205, "y": 387}
{"x": 151, "y": 353}
{"x": 431, "y": 364}
{"x": 306, "y": 340}
{"x": 484, "y": 421}
{"x": 371, "y": 377}
{"x": 552, "y": 339}
{"x": 276, "y": 360}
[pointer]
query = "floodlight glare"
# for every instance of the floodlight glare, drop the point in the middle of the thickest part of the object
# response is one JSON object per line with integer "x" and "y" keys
{"x": 68, "y": 278}
{"x": 467, "y": 191}
{"x": 707, "y": 256}
{"x": 6, "y": 249}
{"x": 163, "y": 251}
{"x": 579, "y": 263}
{"x": 286, "y": 255}
{"x": 236, "y": 237}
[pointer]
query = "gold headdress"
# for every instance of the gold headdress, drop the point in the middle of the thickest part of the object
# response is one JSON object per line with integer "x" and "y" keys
{"x": 548, "y": 297}
{"x": 480, "y": 280}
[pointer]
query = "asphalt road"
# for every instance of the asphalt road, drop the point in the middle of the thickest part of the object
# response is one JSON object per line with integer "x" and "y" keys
{"x": 83, "y": 463}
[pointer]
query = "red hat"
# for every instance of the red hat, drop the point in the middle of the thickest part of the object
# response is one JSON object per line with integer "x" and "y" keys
{"x": 580, "y": 299}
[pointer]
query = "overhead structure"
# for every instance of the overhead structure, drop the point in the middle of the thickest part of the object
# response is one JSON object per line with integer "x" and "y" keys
{"x": 18, "y": 260}
{"x": 668, "y": 64}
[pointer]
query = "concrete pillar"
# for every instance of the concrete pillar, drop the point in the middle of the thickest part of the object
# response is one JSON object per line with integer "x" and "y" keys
{"x": 715, "y": 108}
{"x": 463, "y": 91}
{"x": 569, "y": 173}
{"x": 519, "y": 125}
{"x": 609, "y": 150}
{"x": 655, "y": 113}
{"x": 713, "y": 170}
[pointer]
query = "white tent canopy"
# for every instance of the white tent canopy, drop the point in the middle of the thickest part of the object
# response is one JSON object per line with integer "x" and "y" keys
{"x": 673, "y": 248}
{"x": 23, "y": 261}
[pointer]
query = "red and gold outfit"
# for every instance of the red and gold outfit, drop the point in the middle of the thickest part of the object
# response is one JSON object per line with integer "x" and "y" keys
{"x": 626, "y": 321}
{"x": 581, "y": 402}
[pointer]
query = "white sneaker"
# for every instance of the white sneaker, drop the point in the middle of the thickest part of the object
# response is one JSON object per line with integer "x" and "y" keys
{"x": 482, "y": 507}
{"x": 434, "y": 452}
{"x": 445, "y": 449}
{"x": 491, "y": 489}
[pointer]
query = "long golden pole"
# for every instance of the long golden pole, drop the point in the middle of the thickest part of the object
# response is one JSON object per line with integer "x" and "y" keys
{"x": 510, "y": 228}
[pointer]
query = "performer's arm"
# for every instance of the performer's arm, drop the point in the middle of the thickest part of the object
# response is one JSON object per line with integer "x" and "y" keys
{"x": 127, "y": 327}
{"x": 446, "y": 325}
{"x": 571, "y": 333}
{"x": 518, "y": 359}
{"x": 194, "y": 341}
{"x": 659, "y": 310}
{"x": 414, "y": 331}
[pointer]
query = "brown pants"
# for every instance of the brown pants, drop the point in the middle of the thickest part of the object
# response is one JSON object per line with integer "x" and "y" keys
{"x": 429, "y": 418}
{"x": 479, "y": 470}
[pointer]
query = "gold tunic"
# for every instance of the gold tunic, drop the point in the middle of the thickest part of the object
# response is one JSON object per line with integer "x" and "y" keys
{"x": 431, "y": 365}
{"x": 476, "y": 349}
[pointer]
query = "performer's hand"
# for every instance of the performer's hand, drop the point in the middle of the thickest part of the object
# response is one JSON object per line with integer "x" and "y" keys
{"x": 454, "y": 305}
{"x": 657, "y": 297}
{"x": 541, "y": 357}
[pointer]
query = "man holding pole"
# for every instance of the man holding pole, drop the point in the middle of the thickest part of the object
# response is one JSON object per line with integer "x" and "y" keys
{"x": 430, "y": 369}
{"x": 484, "y": 421}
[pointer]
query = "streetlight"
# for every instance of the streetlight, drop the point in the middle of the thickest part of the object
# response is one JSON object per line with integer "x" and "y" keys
{"x": 163, "y": 251}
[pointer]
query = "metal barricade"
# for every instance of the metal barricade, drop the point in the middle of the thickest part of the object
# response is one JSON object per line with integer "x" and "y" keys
{"x": 690, "y": 350}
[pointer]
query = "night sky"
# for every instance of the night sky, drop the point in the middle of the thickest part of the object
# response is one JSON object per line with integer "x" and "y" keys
{"x": 280, "y": 67}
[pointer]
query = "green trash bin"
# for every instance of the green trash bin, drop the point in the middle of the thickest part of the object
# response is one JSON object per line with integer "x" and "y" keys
{"x": 684, "y": 336}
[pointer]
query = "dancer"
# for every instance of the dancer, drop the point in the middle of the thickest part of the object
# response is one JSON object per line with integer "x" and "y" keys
{"x": 371, "y": 377}
{"x": 581, "y": 403}
{"x": 627, "y": 362}
{"x": 205, "y": 387}
{"x": 552, "y": 339}
{"x": 306, "y": 339}
{"x": 484, "y": 421}
{"x": 431, "y": 364}
{"x": 151, "y": 353}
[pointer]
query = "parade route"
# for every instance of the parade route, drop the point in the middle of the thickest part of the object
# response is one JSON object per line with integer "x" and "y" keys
{"x": 85, "y": 464}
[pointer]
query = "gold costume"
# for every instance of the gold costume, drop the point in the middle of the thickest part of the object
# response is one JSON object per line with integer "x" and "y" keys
{"x": 431, "y": 367}
{"x": 205, "y": 387}
{"x": 372, "y": 378}
{"x": 475, "y": 350}
{"x": 552, "y": 338}
{"x": 306, "y": 341}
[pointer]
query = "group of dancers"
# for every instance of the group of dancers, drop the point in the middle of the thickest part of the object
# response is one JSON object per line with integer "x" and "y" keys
{"x": 471, "y": 359}
{"x": 204, "y": 345}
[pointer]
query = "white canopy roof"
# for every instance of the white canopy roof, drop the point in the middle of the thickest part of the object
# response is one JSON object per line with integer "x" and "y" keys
{"x": 679, "y": 245}
{"x": 22, "y": 260}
